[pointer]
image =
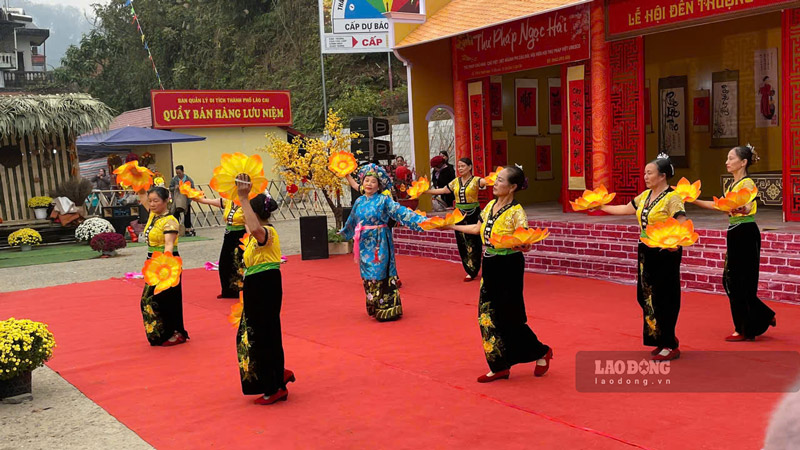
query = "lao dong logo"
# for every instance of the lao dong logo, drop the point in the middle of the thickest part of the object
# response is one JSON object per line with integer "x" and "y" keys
{"x": 631, "y": 367}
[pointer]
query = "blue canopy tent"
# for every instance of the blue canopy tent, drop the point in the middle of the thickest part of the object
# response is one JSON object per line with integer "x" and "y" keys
{"x": 113, "y": 141}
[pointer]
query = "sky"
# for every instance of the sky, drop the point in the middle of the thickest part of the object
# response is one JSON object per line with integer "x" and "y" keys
{"x": 84, "y": 5}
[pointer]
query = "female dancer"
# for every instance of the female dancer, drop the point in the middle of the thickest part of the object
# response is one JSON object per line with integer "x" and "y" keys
{"x": 465, "y": 188}
{"x": 658, "y": 287}
{"x": 230, "y": 257}
{"x": 162, "y": 312}
{"x": 507, "y": 338}
{"x": 751, "y": 317}
{"x": 374, "y": 246}
{"x": 259, "y": 345}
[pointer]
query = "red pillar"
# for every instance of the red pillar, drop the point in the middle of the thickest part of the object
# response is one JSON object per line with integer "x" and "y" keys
{"x": 601, "y": 105}
{"x": 791, "y": 114}
{"x": 461, "y": 110}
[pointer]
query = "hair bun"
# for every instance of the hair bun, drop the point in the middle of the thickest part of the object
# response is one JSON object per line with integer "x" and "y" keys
{"x": 272, "y": 205}
{"x": 524, "y": 185}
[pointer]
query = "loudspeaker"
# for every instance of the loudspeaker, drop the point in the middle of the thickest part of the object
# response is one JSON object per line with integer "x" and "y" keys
{"x": 314, "y": 237}
{"x": 369, "y": 127}
{"x": 373, "y": 148}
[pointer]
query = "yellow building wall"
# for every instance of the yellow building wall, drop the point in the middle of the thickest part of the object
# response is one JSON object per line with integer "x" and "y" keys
{"x": 431, "y": 85}
{"x": 200, "y": 158}
{"x": 698, "y": 52}
{"x": 521, "y": 149}
{"x": 163, "y": 155}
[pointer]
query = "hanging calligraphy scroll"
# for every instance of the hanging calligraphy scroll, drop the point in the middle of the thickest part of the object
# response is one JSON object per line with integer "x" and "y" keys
{"x": 499, "y": 149}
{"x": 496, "y": 100}
{"x": 554, "y": 103}
{"x": 672, "y": 135}
{"x": 576, "y": 127}
{"x": 527, "y": 106}
{"x": 765, "y": 72}
{"x": 477, "y": 125}
{"x": 725, "y": 109}
{"x": 701, "y": 115}
{"x": 544, "y": 159}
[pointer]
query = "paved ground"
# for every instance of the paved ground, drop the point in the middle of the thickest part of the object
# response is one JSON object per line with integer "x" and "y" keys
{"x": 60, "y": 416}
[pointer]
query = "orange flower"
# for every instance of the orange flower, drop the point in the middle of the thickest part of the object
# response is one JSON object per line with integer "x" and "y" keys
{"x": 441, "y": 222}
{"x": 342, "y": 163}
{"x": 522, "y": 236}
{"x": 735, "y": 199}
{"x": 688, "y": 191}
{"x": 163, "y": 271}
{"x": 418, "y": 188}
{"x": 186, "y": 189}
{"x": 593, "y": 199}
{"x": 130, "y": 175}
{"x": 421, "y": 213}
{"x": 224, "y": 180}
{"x": 236, "y": 311}
{"x": 670, "y": 234}
{"x": 492, "y": 177}
{"x": 244, "y": 240}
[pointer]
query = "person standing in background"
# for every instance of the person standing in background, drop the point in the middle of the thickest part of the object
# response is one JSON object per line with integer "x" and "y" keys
{"x": 181, "y": 201}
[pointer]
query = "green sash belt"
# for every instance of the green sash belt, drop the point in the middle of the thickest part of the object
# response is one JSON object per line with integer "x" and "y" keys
{"x": 467, "y": 206}
{"x": 263, "y": 267}
{"x": 234, "y": 227}
{"x": 151, "y": 249}
{"x": 736, "y": 220}
{"x": 500, "y": 251}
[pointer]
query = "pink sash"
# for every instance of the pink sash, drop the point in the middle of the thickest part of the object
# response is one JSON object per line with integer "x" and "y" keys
{"x": 357, "y": 239}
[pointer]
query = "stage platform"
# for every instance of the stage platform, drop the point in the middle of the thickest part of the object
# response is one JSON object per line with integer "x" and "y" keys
{"x": 604, "y": 248}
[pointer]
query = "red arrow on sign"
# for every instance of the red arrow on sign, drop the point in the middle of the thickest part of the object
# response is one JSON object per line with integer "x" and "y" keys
{"x": 355, "y": 42}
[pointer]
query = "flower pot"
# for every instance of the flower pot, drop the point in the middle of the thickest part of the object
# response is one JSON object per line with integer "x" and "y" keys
{"x": 340, "y": 248}
{"x": 111, "y": 253}
{"x": 21, "y": 384}
{"x": 40, "y": 213}
{"x": 25, "y": 248}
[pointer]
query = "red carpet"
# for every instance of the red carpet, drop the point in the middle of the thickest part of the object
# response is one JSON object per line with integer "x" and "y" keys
{"x": 406, "y": 384}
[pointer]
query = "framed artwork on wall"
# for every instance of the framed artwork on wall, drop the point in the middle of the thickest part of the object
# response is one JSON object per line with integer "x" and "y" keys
{"x": 672, "y": 111}
{"x": 554, "y": 105}
{"x": 527, "y": 106}
{"x": 725, "y": 109}
{"x": 496, "y": 100}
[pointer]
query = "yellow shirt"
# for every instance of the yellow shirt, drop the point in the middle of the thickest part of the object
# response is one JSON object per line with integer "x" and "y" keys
{"x": 748, "y": 183}
{"x": 668, "y": 204}
{"x": 267, "y": 254}
{"x": 156, "y": 227}
{"x": 508, "y": 219}
{"x": 466, "y": 193}
{"x": 234, "y": 215}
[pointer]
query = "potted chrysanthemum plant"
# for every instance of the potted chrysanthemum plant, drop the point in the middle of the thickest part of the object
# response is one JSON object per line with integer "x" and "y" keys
{"x": 24, "y": 238}
{"x": 107, "y": 243}
{"x": 24, "y": 346}
{"x": 40, "y": 205}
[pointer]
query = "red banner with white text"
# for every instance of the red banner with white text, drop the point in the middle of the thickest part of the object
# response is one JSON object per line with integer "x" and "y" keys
{"x": 556, "y": 37}
{"x": 626, "y": 17}
{"x": 213, "y": 109}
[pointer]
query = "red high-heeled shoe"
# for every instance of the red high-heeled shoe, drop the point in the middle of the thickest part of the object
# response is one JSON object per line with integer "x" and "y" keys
{"x": 739, "y": 338}
{"x": 288, "y": 376}
{"x": 468, "y": 278}
{"x": 279, "y": 396}
{"x": 502, "y": 375}
{"x": 541, "y": 370}
{"x": 656, "y": 350}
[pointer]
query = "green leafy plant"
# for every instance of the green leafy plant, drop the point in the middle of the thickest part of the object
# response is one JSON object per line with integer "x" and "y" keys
{"x": 334, "y": 236}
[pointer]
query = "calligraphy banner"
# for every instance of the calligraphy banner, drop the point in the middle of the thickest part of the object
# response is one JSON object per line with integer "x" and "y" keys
{"x": 672, "y": 135}
{"x": 765, "y": 72}
{"x": 477, "y": 126}
{"x": 544, "y": 159}
{"x": 224, "y": 108}
{"x": 554, "y": 85}
{"x": 576, "y": 128}
{"x": 556, "y": 37}
{"x": 527, "y": 106}
{"x": 634, "y": 17}
{"x": 725, "y": 108}
{"x": 499, "y": 149}
{"x": 496, "y": 100}
{"x": 701, "y": 116}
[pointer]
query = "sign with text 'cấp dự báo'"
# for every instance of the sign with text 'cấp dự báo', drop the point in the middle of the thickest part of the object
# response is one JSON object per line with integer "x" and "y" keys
{"x": 547, "y": 39}
{"x": 632, "y": 17}
{"x": 215, "y": 109}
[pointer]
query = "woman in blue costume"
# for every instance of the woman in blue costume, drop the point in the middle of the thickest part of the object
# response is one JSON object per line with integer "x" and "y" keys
{"x": 374, "y": 248}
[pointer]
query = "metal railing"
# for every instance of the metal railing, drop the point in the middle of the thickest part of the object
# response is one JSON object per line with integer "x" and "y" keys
{"x": 308, "y": 201}
{"x": 8, "y": 61}
{"x": 21, "y": 78}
